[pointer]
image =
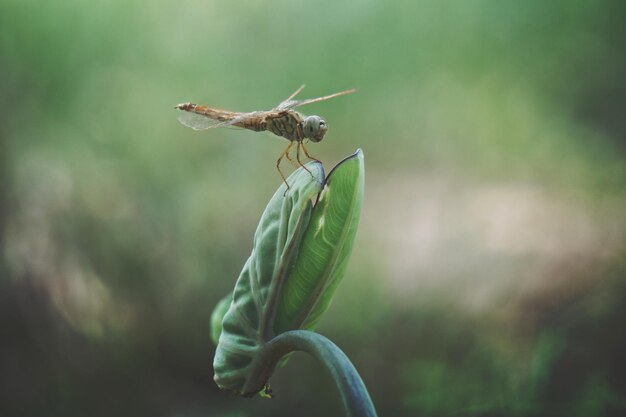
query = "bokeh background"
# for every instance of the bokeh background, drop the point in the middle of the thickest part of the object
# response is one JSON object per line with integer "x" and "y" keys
{"x": 488, "y": 275}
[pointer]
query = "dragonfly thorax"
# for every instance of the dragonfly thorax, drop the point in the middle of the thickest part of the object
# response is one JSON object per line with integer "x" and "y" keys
{"x": 314, "y": 128}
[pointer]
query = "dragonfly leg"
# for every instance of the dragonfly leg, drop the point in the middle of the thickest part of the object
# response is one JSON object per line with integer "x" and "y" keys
{"x": 298, "y": 157}
{"x": 293, "y": 163}
{"x": 285, "y": 152}
{"x": 309, "y": 156}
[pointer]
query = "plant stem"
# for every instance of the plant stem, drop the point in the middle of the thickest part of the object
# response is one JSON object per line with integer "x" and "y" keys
{"x": 354, "y": 395}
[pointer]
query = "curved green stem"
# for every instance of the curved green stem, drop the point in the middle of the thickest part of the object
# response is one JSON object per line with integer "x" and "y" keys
{"x": 354, "y": 395}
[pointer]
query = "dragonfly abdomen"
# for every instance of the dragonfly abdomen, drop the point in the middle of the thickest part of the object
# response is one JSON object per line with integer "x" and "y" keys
{"x": 215, "y": 114}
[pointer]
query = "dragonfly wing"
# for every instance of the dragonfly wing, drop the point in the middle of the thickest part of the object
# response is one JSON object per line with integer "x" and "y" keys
{"x": 285, "y": 103}
{"x": 197, "y": 121}
{"x": 291, "y": 104}
{"x": 202, "y": 122}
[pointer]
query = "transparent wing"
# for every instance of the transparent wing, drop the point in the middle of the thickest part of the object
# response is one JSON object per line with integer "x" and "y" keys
{"x": 197, "y": 121}
{"x": 283, "y": 104}
{"x": 289, "y": 103}
{"x": 201, "y": 122}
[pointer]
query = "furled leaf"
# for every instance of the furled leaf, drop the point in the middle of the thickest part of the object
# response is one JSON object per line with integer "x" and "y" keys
{"x": 248, "y": 323}
{"x": 325, "y": 248}
{"x": 299, "y": 256}
{"x": 218, "y": 316}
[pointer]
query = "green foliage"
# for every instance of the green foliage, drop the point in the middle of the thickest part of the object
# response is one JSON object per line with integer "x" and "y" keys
{"x": 325, "y": 248}
{"x": 247, "y": 325}
{"x": 299, "y": 256}
{"x": 217, "y": 317}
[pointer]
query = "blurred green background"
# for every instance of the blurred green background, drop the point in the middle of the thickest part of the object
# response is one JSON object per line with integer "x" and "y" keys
{"x": 489, "y": 273}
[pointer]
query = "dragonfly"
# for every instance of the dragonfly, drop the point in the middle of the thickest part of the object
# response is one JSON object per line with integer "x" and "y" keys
{"x": 283, "y": 120}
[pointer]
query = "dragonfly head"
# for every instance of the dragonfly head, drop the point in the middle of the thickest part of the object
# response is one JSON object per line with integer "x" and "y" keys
{"x": 314, "y": 128}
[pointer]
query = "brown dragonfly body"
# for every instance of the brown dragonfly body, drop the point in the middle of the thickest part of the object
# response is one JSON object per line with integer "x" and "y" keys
{"x": 286, "y": 123}
{"x": 282, "y": 121}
